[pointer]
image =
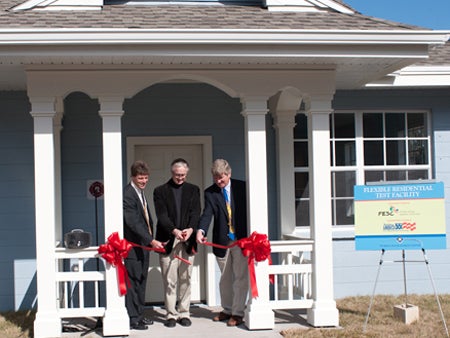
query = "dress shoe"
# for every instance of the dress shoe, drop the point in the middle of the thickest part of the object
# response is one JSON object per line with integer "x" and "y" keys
{"x": 221, "y": 317}
{"x": 146, "y": 321}
{"x": 235, "y": 321}
{"x": 185, "y": 322}
{"x": 138, "y": 326}
{"x": 170, "y": 323}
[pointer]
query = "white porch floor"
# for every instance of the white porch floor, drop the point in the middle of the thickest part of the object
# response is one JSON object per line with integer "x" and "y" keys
{"x": 202, "y": 325}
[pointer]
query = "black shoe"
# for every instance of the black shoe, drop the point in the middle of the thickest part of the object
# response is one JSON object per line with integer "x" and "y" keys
{"x": 138, "y": 326}
{"x": 170, "y": 323}
{"x": 221, "y": 317}
{"x": 185, "y": 322}
{"x": 146, "y": 321}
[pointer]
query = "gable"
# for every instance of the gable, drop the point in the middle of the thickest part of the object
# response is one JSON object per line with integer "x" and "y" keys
{"x": 60, "y": 5}
{"x": 271, "y": 5}
{"x": 307, "y": 6}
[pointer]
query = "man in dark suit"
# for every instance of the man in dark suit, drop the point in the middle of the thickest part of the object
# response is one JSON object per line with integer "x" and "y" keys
{"x": 177, "y": 205}
{"x": 226, "y": 201}
{"x": 137, "y": 229}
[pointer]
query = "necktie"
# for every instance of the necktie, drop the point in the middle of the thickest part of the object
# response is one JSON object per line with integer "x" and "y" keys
{"x": 230, "y": 223}
{"x": 147, "y": 217}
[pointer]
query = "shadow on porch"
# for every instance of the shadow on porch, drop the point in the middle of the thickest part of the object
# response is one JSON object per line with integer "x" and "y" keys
{"x": 202, "y": 325}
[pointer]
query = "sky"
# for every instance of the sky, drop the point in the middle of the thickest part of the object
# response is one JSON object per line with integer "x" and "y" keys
{"x": 434, "y": 14}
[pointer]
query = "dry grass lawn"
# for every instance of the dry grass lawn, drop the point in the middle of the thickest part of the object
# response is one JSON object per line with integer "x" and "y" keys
{"x": 16, "y": 324}
{"x": 382, "y": 323}
{"x": 352, "y": 312}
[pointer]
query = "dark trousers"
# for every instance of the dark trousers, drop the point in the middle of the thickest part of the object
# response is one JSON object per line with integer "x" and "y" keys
{"x": 135, "y": 297}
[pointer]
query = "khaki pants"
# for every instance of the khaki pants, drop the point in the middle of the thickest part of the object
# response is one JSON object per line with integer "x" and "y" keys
{"x": 176, "y": 276}
{"x": 233, "y": 281}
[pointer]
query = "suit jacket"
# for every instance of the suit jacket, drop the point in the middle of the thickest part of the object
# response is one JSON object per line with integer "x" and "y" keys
{"x": 215, "y": 207}
{"x": 135, "y": 228}
{"x": 166, "y": 212}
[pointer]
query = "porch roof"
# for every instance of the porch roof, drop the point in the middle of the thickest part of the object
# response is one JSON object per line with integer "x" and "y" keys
{"x": 439, "y": 55}
{"x": 360, "y": 48}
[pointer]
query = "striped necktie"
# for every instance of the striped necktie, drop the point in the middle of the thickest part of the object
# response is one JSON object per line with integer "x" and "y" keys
{"x": 147, "y": 217}
{"x": 231, "y": 234}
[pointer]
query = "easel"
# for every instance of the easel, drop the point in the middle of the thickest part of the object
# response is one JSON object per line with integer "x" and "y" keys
{"x": 403, "y": 261}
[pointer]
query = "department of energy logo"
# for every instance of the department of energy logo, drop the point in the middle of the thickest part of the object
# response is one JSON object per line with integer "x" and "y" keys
{"x": 403, "y": 226}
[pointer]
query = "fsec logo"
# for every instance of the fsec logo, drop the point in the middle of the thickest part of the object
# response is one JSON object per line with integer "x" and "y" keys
{"x": 385, "y": 213}
{"x": 391, "y": 212}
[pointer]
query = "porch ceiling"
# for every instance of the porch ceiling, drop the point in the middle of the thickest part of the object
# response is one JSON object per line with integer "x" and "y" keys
{"x": 359, "y": 57}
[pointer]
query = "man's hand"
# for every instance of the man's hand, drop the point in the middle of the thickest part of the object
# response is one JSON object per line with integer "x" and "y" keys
{"x": 200, "y": 237}
{"x": 178, "y": 234}
{"x": 186, "y": 234}
{"x": 157, "y": 244}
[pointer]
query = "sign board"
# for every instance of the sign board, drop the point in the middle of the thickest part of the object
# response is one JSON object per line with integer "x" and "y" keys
{"x": 406, "y": 216}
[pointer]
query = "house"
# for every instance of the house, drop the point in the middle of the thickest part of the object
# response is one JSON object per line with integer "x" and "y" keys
{"x": 286, "y": 91}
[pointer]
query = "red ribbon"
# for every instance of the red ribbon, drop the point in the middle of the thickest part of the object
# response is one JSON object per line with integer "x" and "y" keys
{"x": 115, "y": 251}
{"x": 182, "y": 259}
{"x": 255, "y": 248}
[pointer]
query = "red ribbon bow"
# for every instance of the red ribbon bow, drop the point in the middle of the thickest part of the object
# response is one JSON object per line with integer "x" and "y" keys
{"x": 255, "y": 248}
{"x": 114, "y": 252}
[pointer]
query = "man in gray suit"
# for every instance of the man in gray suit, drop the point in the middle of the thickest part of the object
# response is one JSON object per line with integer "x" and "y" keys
{"x": 177, "y": 205}
{"x": 138, "y": 229}
{"x": 226, "y": 201}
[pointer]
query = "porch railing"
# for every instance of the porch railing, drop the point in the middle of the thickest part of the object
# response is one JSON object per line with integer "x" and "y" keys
{"x": 292, "y": 270}
{"x": 77, "y": 276}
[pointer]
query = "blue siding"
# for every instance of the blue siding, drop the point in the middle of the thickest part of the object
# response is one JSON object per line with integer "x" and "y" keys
{"x": 355, "y": 271}
{"x": 186, "y": 109}
{"x": 189, "y": 109}
{"x": 16, "y": 190}
{"x": 81, "y": 160}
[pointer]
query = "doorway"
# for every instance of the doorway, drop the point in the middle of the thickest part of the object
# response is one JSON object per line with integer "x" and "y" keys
{"x": 158, "y": 153}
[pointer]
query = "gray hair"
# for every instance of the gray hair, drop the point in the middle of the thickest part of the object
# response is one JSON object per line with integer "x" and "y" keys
{"x": 220, "y": 167}
{"x": 179, "y": 162}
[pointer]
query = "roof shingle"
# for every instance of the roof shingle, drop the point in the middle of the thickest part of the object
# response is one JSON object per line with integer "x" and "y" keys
{"x": 191, "y": 17}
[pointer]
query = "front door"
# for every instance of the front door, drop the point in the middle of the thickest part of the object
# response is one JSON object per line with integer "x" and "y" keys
{"x": 158, "y": 153}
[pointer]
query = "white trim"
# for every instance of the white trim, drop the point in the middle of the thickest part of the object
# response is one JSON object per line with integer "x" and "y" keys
{"x": 204, "y": 141}
{"x": 306, "y": 6}
{"x": 335, "y": 5}
{"x": 187, "y": 36}
{"x": 115, "y": 320}
{"x": 258, "y": 314}
{"x": 284, "y": 5}
{"x": 338, "y": 232}
{"x": 28, "y": 5}
{"x": 416, "y": 76}
{"x": 59, "y": 5}
{"x": 348, "y": 231}
{"x": 47, "y": 323}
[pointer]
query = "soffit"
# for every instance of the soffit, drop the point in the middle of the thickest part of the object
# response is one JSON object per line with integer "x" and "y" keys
{"x": 351, "y": 72}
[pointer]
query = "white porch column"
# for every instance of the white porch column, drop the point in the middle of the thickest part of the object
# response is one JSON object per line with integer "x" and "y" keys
{"x": 47, "y": 322}
{"x": 258, "y": 314}
{"x": 284, "y": 123}
{"x": 324, "y": 311}
{"x": 115, "y": 321}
